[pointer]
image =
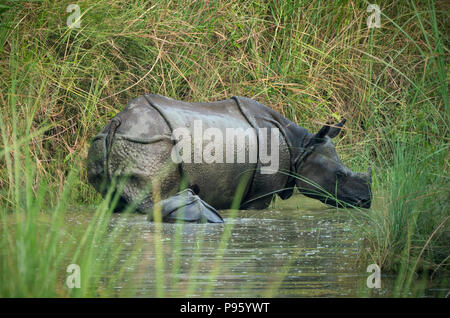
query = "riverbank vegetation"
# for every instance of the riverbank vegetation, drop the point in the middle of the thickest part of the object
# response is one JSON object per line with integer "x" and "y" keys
{"x": 313, "y": 61}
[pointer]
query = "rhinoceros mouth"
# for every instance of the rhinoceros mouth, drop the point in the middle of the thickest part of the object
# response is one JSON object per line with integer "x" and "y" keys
{"x": 339, "y": 202}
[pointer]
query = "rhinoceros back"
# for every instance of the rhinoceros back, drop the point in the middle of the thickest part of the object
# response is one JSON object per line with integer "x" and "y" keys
{"x": 216, "y": 182}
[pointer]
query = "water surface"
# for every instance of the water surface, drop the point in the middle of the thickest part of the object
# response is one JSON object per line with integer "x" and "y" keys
{"x": 298, "y": 248}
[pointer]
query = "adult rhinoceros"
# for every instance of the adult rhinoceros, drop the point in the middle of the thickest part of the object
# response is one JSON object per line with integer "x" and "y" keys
{"x": 139, "y": 145}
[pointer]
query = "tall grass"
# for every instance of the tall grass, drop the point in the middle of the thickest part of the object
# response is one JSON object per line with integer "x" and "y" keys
{"x": 311, "y": 61}
{"x": 38, "y": 243}
{"x": 406, "y": 232}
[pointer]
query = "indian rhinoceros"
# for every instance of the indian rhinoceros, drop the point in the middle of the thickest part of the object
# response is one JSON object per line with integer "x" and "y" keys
{"x": 140, "y": 145}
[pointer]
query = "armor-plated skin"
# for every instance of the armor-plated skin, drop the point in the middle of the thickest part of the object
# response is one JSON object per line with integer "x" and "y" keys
{"x": 138, "y": 144}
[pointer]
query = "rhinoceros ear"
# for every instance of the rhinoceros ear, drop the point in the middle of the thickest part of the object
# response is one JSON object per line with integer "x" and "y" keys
{"x": 336, "y": 129}
{"x": 322, "y": 133}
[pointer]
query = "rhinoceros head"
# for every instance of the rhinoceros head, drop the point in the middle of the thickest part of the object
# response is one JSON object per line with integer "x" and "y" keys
{"x": 323, "y": 176}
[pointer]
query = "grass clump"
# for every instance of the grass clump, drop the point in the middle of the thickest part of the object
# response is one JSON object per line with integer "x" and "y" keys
{"x": 407, "y": 232}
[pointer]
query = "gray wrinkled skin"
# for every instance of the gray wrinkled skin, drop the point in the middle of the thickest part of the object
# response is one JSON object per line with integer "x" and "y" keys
{"x": 136, "y": 147}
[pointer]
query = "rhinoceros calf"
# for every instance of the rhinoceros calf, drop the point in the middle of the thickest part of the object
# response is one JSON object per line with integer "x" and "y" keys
{"x": 227, "y": 145}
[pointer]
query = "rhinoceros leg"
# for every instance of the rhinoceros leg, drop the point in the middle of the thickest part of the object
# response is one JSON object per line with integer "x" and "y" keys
{"x": 185, "y": 206}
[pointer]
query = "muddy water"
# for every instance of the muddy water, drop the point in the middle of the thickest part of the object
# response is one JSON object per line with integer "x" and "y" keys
{"x": 285, "y": 251}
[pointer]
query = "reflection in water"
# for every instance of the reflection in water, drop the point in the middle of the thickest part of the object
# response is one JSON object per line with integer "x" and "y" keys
{"x": 284, "y": 251}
